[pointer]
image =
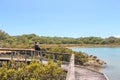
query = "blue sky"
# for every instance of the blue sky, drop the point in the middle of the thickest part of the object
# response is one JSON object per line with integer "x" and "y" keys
{"x": 64, "y": 18}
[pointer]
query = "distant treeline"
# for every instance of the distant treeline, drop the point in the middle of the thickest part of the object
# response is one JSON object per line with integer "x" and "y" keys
{"x": 28, "y": 39}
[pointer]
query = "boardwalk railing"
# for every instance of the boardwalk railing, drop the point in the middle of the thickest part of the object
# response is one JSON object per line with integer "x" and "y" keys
{"x": 28, "y": 55}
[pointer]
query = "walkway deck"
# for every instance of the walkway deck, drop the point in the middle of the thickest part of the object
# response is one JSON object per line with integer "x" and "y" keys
{"x": 86, "y": 74}
{"x": 74, "y": 73}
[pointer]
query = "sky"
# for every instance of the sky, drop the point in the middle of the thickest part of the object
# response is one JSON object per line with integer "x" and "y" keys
{"x": 62, "y": 18}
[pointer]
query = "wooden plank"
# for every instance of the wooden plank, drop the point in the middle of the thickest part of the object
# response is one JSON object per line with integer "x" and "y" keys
{"x": 15, "y": 49}
{"x": 4, "y": 51}
{"x": 71, "y": 70}
{"x": 16, "y": 59}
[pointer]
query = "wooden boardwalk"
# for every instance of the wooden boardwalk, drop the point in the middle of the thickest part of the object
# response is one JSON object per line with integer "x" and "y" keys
{"x": 86, "y": 74}
{"x": 74, "y": 73}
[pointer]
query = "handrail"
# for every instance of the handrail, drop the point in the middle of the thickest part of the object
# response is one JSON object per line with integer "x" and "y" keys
{"x": 15, "y": 49}
{"x": 71, "y": 70}
{"x": 29, "y": 53}
{"x": 106, "y": 76}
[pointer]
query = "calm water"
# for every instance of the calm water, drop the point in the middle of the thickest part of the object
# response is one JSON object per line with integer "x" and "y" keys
{"x": 109, "y": 55}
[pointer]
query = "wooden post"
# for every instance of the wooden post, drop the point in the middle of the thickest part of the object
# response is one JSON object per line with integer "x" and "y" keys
{"x": 40, "y": 56}
{"x": 25, "y": 57}
{"x": 54, "y": 57}
{"x": 32, "y": 54}
{"x": 12, "y": 55}
{"x": 7, "y": 63}
{"x": 0, "y": 63}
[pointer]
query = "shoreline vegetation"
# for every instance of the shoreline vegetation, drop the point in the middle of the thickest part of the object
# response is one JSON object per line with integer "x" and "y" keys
{"x": 62, "y": 45}
{"x": 77, "y": 45}
{"x": 88, "y": 61}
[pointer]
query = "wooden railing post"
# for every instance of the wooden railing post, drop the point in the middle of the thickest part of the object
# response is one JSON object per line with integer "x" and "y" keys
{"x": 0, "y": 63}
{"x": 32, "y": 54}
{"x": 12, "y": 55}
{"x": 25, "y": 57}
{"x": 53, "y": 57}
{"x": 40, "y": 56}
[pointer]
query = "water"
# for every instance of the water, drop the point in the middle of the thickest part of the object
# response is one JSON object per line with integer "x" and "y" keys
{"x": 110, "y": 55}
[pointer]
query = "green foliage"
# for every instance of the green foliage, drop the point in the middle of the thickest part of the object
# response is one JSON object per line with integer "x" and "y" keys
{"x": 60, "y": 50}
{"x": 80, "y": 58}
{"x": 28, "y": 39}
{"x": 3, "y": 35}
{"x": 33, "y": 71}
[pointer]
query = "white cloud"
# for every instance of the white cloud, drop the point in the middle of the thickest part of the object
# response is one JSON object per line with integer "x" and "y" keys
{"x": 117, "y": 36}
